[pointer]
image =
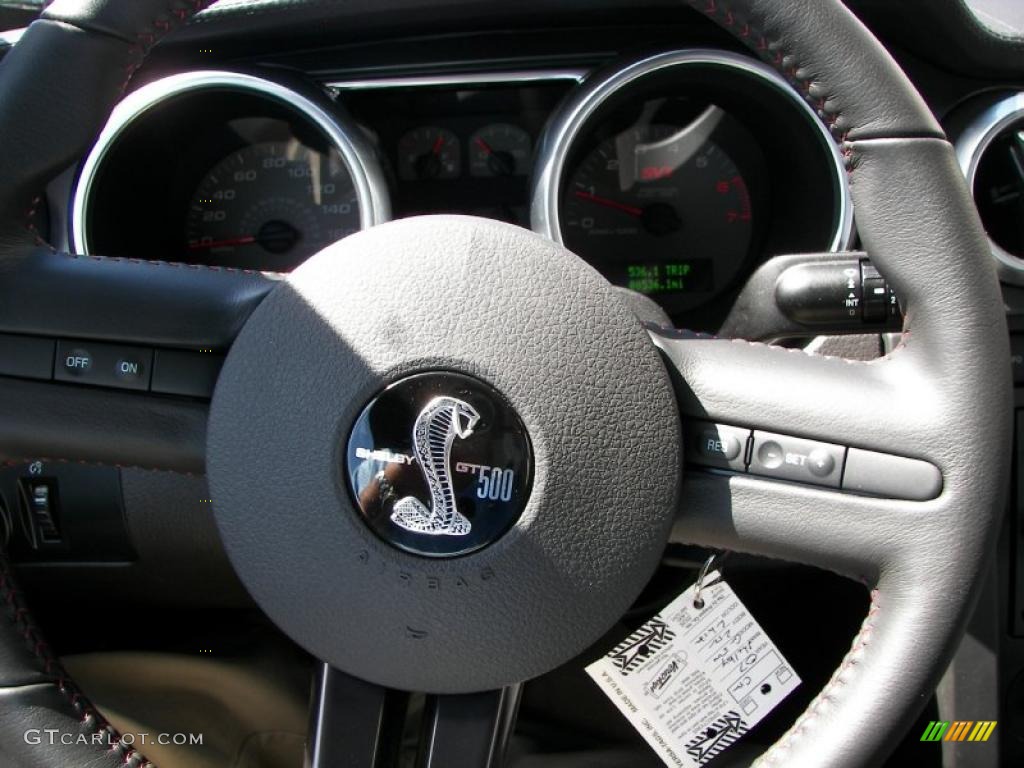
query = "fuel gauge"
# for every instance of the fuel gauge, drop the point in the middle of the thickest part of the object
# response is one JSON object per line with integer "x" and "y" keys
{"x": 499, "y": 149}
{"x": 429, "y": 153}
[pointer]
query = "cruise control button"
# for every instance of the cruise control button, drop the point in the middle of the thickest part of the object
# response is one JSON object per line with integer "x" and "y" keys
{"x": 770, "y": 455}
{"x": 720, "y": 445}
{"x": 103, "y": 365}
{"x": 895, "y": 477}
{"x": 793, "y": 458}
{"x": 717, "y": 445}
{"x": 820, "y": 462}
{"x": 130, "y": 368}
{"x": 75, "y": 362}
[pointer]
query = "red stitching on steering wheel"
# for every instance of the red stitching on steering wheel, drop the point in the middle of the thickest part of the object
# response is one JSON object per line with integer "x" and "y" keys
{"x": 161, "y": 263}
{"x": 18, "y": 612}
{"x": 771, "y": 52}
{"x": 19, "y": 615}
{"x": 138, "y": 52}
{"x": 146, "y": 39}
{"x": 850, "y": 660}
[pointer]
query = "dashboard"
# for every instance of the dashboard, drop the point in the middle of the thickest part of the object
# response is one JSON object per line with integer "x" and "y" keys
{"x": 674, "y": 173}
{"x": 657, "y": 149}
{"x": 677, "y": 167}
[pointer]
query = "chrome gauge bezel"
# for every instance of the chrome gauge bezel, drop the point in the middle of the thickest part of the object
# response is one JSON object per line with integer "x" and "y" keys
{"x": 569, "y": 124}
{"x": 971, "y": 146}
{"x": 356, "y": 151}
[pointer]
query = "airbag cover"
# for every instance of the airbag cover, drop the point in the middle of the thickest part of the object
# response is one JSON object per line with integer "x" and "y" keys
{"x": 526, "y": 317}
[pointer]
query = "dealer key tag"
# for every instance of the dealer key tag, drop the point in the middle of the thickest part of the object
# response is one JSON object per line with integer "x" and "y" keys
{"x": 693, "y": 680}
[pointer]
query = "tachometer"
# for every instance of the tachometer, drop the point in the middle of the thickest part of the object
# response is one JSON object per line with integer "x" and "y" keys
{"x": 660, "y": 209}
{"x": 273, "y": 203}
{"x": 677, "y": 173}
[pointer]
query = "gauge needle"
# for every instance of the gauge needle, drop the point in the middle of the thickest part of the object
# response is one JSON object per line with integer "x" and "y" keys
{"x": 438, "y": 145}
{"x": 243, "y": 240}
{"x": 484, "y": 146}
{"x": 632, "y": 210}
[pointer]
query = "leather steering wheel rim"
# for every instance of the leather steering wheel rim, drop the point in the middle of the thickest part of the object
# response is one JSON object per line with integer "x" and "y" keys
{"x": 942, "y": 396}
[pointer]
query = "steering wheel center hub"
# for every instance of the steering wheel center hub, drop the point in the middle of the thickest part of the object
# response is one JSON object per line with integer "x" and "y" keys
{"x": 439, "y": 464}
{"x": 444, "y": 455}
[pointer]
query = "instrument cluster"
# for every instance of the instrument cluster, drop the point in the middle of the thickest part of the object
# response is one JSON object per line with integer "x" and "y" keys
{"x": 674, "y": 174}
{"x": 431, "y": 152}
{"x": 226, "y": 169}
{"x": 450, "y": 147}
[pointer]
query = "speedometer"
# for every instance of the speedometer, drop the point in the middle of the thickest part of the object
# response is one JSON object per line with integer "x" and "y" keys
{"x": 273, "y": 203}
{"x": 225, "y": 169}
{"x": 660, "y": 209}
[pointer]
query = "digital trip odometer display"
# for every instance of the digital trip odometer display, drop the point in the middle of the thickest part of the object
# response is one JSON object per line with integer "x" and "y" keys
{"x": 661, "y": 208}
{"x": 694, "y": 275}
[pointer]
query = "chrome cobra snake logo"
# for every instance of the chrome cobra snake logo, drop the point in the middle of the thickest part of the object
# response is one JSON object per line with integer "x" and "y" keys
{"x": 436, "y": 428}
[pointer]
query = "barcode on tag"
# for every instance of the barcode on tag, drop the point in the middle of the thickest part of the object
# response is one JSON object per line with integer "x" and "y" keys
{"x": 693, "y": 680}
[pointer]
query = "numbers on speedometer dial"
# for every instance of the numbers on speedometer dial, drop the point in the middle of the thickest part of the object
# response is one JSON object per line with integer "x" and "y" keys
{"x": 272, "y": 204}
{"x": 661, "y": 209}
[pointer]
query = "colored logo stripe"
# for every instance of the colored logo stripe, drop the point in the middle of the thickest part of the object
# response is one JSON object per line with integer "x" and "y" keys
{"x": 958, "y": 730}
{"x": 982, "y": 730}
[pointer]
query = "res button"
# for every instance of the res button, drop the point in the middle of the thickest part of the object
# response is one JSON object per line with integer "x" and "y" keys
{"x": 717, "y": 445}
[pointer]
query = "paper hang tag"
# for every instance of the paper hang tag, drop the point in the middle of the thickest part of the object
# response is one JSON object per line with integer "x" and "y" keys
{"x": 693, "y": 681}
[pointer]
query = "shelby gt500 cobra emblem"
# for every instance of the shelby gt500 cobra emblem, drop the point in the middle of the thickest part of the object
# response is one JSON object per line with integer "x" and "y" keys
{"x": 436, "y": 428}
{"x": 439, "y": 464}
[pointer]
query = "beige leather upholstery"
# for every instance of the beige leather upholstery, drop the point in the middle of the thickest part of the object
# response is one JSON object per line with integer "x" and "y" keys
{"x": 249, "y": 715}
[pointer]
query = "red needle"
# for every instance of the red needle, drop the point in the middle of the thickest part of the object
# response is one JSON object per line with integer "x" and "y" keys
{"x": 484, "y": 145}
{"x": 201, "y": 246}
{"x": 632, "y": 210}
{"x": 438, "y": 145}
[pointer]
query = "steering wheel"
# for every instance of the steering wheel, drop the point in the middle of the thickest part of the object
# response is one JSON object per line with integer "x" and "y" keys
{"x": 600, "y": 399}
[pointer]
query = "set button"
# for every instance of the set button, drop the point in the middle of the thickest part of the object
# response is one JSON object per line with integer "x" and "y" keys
{"x": 793, "y": 458}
